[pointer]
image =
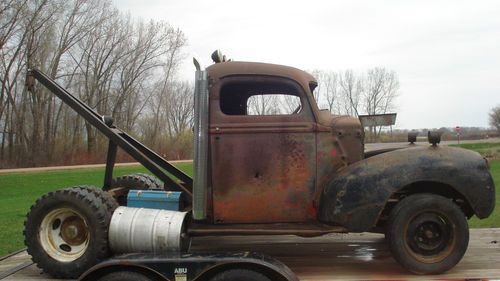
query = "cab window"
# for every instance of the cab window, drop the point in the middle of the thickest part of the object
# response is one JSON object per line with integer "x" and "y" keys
{"x": 262, "y": 98}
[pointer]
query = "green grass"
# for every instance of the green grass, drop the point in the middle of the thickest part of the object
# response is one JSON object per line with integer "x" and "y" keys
{"x": 18, "y": 191}
{"x": 478, "y": 145}
{"x": 491, "y": 150}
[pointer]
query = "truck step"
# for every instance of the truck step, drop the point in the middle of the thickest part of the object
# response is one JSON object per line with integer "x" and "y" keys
{"x": 299, "y": 229}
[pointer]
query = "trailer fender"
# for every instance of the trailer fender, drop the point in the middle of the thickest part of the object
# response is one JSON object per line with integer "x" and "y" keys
{"x": 358, "y": 193}
{"x": 191, "y": 267}
{"x": 102, "y": 270}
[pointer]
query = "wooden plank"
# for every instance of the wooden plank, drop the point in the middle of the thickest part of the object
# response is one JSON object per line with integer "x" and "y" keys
{"x": 362, "y": 256}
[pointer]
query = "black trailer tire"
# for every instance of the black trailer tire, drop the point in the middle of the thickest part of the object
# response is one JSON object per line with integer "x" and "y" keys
{"x": 239, "y": 275}
{"x": 427, "y": 233}
{"x": 125, "y": 276}
{"x": 135, "y": 181}
{"x": 66, "y": 231}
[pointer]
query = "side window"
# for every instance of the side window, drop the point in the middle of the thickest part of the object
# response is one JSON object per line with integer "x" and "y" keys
{"x": 273, "y": 104}
{"x": 260, "y": 98}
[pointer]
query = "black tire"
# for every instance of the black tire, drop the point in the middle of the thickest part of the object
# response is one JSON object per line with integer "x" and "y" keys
{"x": 66, "y": 231}
{"x": 135, "y": 181}
{"x": 156, "y": 182}
{"x": 427, "y": 233}
{"x": 125, "y": 276}
{"x": 239, "y": 275}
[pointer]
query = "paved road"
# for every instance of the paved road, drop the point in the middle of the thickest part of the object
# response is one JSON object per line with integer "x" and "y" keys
{"x": 55, "y": 168}
{"x": 374, "y": 146}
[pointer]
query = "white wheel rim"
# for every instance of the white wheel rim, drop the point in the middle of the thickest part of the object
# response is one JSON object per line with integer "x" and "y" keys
{"x": 64, "y": 234}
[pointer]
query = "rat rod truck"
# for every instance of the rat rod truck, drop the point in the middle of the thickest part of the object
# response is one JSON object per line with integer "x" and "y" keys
{"x": 302, "y": 172}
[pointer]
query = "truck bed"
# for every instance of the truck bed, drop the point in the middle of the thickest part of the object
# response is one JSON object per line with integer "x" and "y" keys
{"x": 330, "y": 257}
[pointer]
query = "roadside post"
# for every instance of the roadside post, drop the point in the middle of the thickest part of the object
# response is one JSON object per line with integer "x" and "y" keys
{"x": 458, "y": 130}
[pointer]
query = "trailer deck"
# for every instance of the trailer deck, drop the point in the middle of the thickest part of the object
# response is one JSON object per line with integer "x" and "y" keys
{"x": 363, "y": 256}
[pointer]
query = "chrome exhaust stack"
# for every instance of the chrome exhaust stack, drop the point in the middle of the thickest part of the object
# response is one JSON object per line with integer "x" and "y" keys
{"x": 200, "y": 158}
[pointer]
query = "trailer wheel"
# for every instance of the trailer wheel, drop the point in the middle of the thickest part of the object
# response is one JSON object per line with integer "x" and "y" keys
{"x": 125, "y": 276}
{"x": 427, "y": 233}
{"x": 66, "y": 231}
{"x": 121, "y": 185}
{"x": 239, "y": 275}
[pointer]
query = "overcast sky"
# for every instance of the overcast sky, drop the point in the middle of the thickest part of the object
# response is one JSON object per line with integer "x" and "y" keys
{"x": 446, "y": 53}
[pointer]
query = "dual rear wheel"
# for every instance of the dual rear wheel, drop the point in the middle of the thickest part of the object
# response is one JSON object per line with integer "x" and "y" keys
{"x": 66, "y": 231}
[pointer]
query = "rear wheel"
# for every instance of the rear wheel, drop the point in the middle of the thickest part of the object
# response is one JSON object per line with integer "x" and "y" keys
{"x": 121, "y": 185}
{"x": 427, "y": 233}
{"x": 239, "y": 275}
{"x": 66, "y": 231}
{"x": 125, "y": 276}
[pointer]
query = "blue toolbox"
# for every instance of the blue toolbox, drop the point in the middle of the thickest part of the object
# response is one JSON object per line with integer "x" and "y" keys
{"x": 155, "y": 199}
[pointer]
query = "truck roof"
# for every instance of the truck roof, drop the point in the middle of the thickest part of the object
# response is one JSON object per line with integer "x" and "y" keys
{"x": 223, "y": 69}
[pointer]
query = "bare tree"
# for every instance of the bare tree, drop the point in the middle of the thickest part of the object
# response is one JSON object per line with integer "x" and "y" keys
{"x": 108, "y": 59}
{"x": 180, "y": 108}
{"x": 494, "y": 118}
{"x": 289, "y": 104}
{"x": 159, "y": 103}
{"x": 263, "y": 105}
{"x": 380, "y": 90}
{"x": 328, "y": 90}
{"x": 351, "y": 89}
{"x": 147, "y": 49}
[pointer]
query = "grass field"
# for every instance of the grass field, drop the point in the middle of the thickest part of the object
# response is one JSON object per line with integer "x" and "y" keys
{"x": 18, "y": 191}
{"x": 490, "y": 150}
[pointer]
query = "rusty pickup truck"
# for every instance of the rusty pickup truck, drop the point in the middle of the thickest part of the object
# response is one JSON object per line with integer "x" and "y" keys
{"x": 300, "y": 171}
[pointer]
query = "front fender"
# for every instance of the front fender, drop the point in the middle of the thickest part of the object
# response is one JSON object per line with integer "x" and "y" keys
{"x": 358, "y": 193}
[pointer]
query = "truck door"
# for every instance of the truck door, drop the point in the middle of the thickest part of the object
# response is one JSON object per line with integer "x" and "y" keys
{"x": 262, "y": 151}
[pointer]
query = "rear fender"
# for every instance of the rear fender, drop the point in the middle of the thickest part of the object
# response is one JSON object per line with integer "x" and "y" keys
{"x": 191, "y": 267}
{"x": 358, "y": 193}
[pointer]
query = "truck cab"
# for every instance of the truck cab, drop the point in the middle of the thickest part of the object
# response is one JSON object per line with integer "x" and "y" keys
{"x": 270, "y": 149}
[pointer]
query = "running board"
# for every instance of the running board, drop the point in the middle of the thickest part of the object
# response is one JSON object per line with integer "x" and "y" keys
{"x": 299, "y": 229}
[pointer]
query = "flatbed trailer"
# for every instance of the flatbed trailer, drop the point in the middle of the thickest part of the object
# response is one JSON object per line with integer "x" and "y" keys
{"x": 362, "y": 256}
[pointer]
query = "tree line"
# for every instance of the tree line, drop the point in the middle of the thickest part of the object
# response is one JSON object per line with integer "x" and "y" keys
{"x": 126, "y": 68}
{"x": 123, "y": 67}
{"x": 373, "y": 91}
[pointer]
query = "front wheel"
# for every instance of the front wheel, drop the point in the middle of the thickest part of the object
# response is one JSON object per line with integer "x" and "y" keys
{"x": 427, "y": 233}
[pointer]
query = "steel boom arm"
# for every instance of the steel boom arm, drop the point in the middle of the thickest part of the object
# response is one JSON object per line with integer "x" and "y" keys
{"x": 117, "y": 138}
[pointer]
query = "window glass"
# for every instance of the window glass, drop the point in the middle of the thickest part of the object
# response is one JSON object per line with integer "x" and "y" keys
{"x": 279, "y": 104}
{"x": 264, "y": 98}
